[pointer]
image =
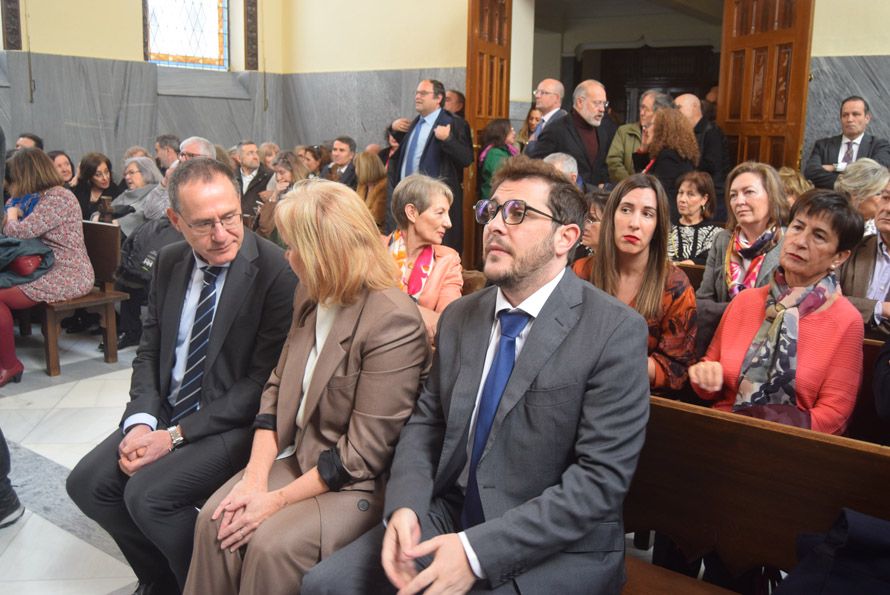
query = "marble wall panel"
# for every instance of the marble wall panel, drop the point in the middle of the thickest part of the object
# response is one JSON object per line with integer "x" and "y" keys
{"x": 321, "y": 106}
{"x": 833, "y": 79}
{"x": 82, "y": 105}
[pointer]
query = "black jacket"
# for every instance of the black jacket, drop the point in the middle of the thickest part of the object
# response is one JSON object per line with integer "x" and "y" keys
{"x": 562, "y": 136}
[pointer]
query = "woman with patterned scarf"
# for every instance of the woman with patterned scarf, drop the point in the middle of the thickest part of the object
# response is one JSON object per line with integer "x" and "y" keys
{"x": 791, "y": 351}
{"x": 743, "y": 255}
{"x": 430, "y": 272}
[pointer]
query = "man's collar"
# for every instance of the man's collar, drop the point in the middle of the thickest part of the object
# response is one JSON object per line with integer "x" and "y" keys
{"x": 533, "y": 304}
{"x": 432, "y": 116}
{"x": 546, "y": 117}
{"x": 856, "y": 141}
{"x": 250, "y": 173}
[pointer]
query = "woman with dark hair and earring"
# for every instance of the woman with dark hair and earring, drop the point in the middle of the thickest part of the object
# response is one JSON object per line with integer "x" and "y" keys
{"x": 631, "y": 264}
{"x": 793, "y": 346}
{"x": 498, "y": 140}
{"x": 690, "y": 240}
{"x": 48, "y": 212}
{"x": 94, "y": 179}
{"x": 315, "y": 158}
{"x": 590, "y": 235}
{"x": 64, "y": 166}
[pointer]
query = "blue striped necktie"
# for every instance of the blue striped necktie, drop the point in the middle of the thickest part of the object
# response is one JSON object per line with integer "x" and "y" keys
{"x": 189, "y": 397}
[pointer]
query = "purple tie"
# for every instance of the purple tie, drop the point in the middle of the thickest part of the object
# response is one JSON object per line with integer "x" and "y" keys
{"x": 848, "y": 156}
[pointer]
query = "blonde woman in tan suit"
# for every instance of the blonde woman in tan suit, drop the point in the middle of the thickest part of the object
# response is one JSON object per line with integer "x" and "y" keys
{"x": 430, "y": 272}
{"x": 331, "y": 412}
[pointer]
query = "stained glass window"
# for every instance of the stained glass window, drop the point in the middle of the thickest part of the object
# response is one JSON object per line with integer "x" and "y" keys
{"x": 189, "y": 33}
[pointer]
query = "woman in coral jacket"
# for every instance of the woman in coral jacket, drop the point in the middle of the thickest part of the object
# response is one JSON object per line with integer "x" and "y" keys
{"x": 430, "y": 272}
{"x": 791, "y": 351}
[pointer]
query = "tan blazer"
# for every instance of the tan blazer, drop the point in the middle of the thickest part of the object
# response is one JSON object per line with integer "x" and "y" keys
{"x": 366, "y": 380}
{"x": 855, "y": 277}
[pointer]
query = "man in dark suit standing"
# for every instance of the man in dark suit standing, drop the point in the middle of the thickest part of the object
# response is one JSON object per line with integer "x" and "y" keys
{"x": 831, "y": 155}
{"x": 219, "y": 308}
{"x": 436, "y": 143}
{"x": 585, "y": 134}
{"x": 511, "y": 473}
{"x": 252, "y": 176}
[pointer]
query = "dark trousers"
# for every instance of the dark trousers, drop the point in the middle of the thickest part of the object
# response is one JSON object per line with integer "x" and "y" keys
{"x": 357, "y": 567}
{"x": 7, "y": 494}
{"x": 131, "y": 309}
{"x": 152, "y": 514}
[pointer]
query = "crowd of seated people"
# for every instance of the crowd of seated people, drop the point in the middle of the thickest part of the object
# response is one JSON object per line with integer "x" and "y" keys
{"x": 774, "y": 330}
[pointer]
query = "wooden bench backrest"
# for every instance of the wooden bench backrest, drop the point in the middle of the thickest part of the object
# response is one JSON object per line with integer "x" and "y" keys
{"x": 103, "y": 242}
{"x": 745, "y": 487}
{"x": 695, "y": 272}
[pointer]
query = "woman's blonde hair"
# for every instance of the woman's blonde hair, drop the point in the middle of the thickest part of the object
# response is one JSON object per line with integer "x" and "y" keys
{"x": 605, "y": 268}
{"x": 337, "y": 241}
{"x": 863, "y": 178}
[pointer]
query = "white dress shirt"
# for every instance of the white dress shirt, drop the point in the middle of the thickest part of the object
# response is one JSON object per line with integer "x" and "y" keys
{"x": 532, "y": 306}
{"x": 840, "y": 165}
{"x": 189, "y": 306}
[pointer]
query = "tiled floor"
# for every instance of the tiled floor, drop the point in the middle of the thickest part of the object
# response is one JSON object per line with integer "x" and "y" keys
{"x": 50, "y": 423}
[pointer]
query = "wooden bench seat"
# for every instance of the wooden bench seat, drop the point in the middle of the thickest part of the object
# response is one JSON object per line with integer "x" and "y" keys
{"x": 744, "y": 488}
{"x": 103, "y": 245}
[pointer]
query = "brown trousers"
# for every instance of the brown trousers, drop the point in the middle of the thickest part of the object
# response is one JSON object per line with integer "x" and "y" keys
{"x": 285, "y": 546}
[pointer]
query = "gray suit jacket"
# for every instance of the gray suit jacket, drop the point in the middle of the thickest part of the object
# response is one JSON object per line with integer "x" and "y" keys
{"x": 249, "y": 328}
{"x": 562, "y": 449}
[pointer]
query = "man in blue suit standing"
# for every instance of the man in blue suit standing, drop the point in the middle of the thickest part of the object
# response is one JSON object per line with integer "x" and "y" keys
{"x": 436, "y": 143}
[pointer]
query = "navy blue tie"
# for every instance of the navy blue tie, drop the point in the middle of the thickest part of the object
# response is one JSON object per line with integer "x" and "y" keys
{"x": 410, "y": 165}
{"x": 189, "y": 397}
{"x": 512, "y": 324}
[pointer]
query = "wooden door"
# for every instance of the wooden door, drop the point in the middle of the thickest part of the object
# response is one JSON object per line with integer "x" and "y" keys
{"x": 488, "y": 94}
{"x": 764, "y": 70}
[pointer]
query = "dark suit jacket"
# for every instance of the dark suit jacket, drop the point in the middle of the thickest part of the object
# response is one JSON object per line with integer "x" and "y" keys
{"x": 882, "y": 382}
{"x": 249, "y": 328}
{"x": 348, "y": 177}
{"x": 562, "y": 449}
{"x": 855, "y": 277}
{"x": 250, "y": 197}
{"x": 444, "y": 160}
{"x": 561, "y": 136}
{"x": 826, "y": 150}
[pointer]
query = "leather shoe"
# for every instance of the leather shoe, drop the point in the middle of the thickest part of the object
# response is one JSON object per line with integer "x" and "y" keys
{"x": 14, "y": 373}
{"x": 124, "y": 340}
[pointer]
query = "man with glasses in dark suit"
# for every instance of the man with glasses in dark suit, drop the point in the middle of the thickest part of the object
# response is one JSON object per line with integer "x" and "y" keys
{"x": 219, "y": 308}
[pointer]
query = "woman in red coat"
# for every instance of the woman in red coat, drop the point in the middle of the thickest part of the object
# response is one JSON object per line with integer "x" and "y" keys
{"x": 792, "y": 350}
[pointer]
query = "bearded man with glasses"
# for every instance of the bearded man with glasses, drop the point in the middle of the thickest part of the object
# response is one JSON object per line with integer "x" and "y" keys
{"x": 586, "y": 134}
{"x": 219, "y": 307}
{"x": 511, "y": 473}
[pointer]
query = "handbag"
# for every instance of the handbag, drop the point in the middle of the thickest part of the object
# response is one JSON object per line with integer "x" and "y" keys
{"x": 25, "y": 265}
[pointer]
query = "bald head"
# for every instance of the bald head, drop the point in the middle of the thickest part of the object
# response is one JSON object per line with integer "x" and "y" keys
{"x": 548, "y": 95}
{"x": 589, "y": 100}
{"x": 690, "y": 106}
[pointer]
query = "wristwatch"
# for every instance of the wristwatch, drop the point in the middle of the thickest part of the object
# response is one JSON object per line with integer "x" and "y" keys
{"x": 175, "y": 437}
